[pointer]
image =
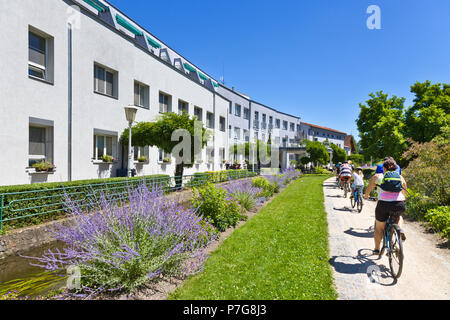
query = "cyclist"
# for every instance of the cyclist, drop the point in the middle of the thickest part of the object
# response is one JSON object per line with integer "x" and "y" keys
{"x": 345, "y": 175}
{"x": 391, "y": 200}
{"x": 338, "y": 170}
{"x": 358, "y": 181}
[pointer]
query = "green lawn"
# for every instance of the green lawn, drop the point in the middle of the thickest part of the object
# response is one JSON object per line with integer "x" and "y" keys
{"x": 280, "y": 254}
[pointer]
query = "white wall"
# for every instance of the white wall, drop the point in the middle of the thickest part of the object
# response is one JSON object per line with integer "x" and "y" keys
{"x": 22, "y": 97}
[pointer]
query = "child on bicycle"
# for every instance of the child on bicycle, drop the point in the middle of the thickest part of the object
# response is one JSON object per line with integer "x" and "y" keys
{"x": 358, "y": 181}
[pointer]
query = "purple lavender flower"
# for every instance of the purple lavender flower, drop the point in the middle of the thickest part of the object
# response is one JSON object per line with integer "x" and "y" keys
{"x": 124, "y": 241}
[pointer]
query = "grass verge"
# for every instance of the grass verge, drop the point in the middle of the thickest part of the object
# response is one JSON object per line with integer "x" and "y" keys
{"x": 280, "y": 254}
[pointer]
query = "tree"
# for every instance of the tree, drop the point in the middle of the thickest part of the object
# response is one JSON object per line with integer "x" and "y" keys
{"x": 160, "y": 132}
{"x": 430, "y": 112}
{"x": 317, "y": 152}
{"x": 339, "y": 154}
{"x": 356, "y": 158}
{"x": 381, "y": 126}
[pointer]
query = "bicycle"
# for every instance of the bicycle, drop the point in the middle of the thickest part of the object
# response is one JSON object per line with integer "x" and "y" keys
{"x": 346, "y": 188}
{"x": 392, "y": 244}
{"x": 357, "y": 200}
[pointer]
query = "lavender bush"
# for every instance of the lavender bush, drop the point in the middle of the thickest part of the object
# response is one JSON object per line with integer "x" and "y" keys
{"x": 245, "y": 194}
{"x": 291, "y": 174}
{"x": 120, "y": 247}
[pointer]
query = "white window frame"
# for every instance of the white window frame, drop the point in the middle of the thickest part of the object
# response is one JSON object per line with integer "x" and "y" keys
{"x": 143, "y": 90}
{"x": 105, "y": 147}
{"x": 49, "y": 145}
{"x": 106, "y": 71}
{"x": 164, "y": 108}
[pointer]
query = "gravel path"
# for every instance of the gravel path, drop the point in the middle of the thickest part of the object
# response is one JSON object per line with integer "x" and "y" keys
{"x": 426, "y": 271}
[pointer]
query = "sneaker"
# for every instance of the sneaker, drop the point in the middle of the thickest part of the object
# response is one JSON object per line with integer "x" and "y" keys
{"x": 376, "y": 252}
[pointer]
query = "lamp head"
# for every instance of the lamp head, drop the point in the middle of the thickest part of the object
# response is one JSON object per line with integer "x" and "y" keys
{"x": 130, "y": 113}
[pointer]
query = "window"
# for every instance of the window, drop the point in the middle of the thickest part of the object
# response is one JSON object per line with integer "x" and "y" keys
{"x": 231, "y": 108}
{"x": 104, "y": 81}
{"x": 198, "y": 112}
{"x": 285, "y": 125}
{"x": 246, "y": 113}
{"x": 210, "y": 120}
{"x": 141, "y": 95}
{"x": 222, "y": 124}
{"x": 140, "y": 152}
{"x": 183, "y": 107}
{"x": 230, "y": 132}
{"x": 246, "y": 136}
{"x": 237, "y": 110}
{"x": 222, "y": 154}
{"x": 264, "y": 137}
{"x": 104, "y": 145}
{"x": 292, "y": 125}
{"x": 278, "y": 123}
{"x": 210, "y": 154}
{"x": 237, "y": 133}
{"x": 40, "y": 146}
{"x": 256, "y": 115}
{"x": 164, "y": 103}
{"x": 40, "y": 55}
{"x": 164, "y": 157}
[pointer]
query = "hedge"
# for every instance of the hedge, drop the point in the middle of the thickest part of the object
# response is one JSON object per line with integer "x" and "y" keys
{"x": 44, "y": 202}
{"x": 218, "y": 176}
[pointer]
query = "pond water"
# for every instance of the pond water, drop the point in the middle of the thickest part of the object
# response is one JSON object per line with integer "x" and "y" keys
{"x": 16, "y": 273}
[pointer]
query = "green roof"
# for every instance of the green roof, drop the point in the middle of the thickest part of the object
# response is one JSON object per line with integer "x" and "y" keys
{"x": 124, "y": 23}
{"x": 153, "y": 43}
{"x": 202, "y": 76}
{"x": 97, "y": 5}
{"x": 189, "y": 67}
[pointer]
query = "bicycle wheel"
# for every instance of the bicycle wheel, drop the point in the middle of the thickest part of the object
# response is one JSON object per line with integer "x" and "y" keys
{"x": 353, "y": 201}
{"x": 360, "y": 203}
{"x": 396, "y": 252}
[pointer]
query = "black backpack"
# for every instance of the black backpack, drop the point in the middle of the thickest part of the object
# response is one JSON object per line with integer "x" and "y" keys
{"x": 392, "y": 182}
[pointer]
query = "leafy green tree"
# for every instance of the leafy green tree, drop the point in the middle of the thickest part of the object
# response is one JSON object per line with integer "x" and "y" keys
{"x": 339, "y": 154}
{"x": 317, "y": 151}
{"x": 159, "y": 134}
{"x": 381, "y": 126}
{"x": 430, "y": 112}
{"x": 248, "y": 148}
{"x": 356, "y": 158}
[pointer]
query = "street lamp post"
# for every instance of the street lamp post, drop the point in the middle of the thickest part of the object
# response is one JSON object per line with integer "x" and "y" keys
{"x": 130, "y": 113}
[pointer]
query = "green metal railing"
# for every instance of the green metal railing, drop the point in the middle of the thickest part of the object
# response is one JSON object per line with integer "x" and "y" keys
{"x": 28, "y": 204}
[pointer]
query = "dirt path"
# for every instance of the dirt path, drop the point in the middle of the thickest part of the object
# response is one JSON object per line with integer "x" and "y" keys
{"x": 426, "y": 273}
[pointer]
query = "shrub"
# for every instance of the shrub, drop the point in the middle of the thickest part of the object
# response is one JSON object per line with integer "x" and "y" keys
{"x": 418, "y": 205}
{"x": 428, "y": 172}
{"x": 320, "y": 170}
{"x": 263, "y": 184}
{"x": 215, "y": 206}
{"x": 439, "y": 218}
{"x": 245, "y": 194}
{"x": 123, "y": 247}
{"x": 291, "y": 174}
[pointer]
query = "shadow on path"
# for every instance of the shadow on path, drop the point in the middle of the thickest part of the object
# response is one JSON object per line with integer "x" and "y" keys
{"x": 360, "y": 232}
{"x": 364, "y": 264}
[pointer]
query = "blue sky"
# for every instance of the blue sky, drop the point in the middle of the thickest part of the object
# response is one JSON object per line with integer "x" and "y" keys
{"x": 314, "y": 59}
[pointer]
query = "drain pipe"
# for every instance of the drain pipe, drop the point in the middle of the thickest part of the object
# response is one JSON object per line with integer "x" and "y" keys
{"x": 69, "y": 144}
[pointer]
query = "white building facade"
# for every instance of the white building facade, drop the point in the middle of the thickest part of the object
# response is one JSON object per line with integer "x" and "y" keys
{"x": 69, "y": 67}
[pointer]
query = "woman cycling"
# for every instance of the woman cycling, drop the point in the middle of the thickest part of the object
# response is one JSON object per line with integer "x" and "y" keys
{"x": 391, "y": 200}
{"x": 358, "y": 181}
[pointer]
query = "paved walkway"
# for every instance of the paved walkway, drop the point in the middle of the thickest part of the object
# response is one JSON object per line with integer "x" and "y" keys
{"x": 426, "y": 273}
